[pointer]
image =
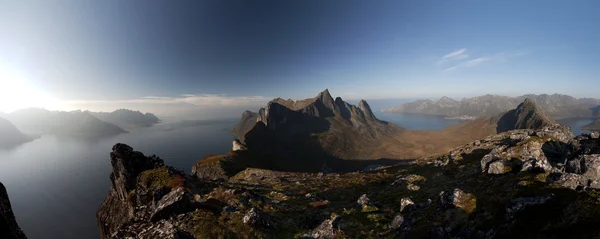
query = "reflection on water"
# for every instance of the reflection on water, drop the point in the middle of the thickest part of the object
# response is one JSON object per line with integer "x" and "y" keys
{"x": 576, "y": 124}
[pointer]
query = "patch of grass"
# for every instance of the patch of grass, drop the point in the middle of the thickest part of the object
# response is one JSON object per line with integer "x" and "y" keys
{"x": 161, "y": 177}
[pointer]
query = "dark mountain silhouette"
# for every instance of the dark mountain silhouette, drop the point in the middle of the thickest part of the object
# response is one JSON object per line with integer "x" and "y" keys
{"x": 308, "y": 132}
{"x": 127, "y": 119}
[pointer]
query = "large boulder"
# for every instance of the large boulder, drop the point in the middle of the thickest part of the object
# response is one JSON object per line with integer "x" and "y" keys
{"x": 583, "y": 171}
{"x": 9, "y": 228}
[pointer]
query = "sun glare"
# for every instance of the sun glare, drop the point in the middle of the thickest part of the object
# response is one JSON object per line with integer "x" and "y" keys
{"x": 17, "y": 93}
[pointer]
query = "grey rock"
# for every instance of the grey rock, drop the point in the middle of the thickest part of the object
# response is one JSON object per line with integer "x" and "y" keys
{"x": 588, "y": 169}
{"x": 256, "y": 218}
{"x": 404, "y": 202}
{"x": 328, "y": 229}
{"x": 519, "y": 204}
{"x": 237, "y": 145}
{"x": 176, "y": 202}
{"x": 363, "y": 200}
{"x": 499, "y": 167}
{"x": 397, "y": 222}
{"x": 145, "y": 230}
{"x": 594, "y": 135}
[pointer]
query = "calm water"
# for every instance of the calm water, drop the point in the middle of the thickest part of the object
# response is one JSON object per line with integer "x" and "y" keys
{"x": 57, "y": 184}
{"x": 417, "y": 121}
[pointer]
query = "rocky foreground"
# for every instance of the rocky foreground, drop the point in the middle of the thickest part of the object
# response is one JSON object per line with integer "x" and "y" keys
{"x": 517, "y": 184}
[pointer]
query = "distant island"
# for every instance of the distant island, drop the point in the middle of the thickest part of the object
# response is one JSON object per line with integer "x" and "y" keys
{"x": 83, "y": 124}
{"x": 11, "y": 136}
{"x": 127, "y": 119}
{"x": 556, "y": 106}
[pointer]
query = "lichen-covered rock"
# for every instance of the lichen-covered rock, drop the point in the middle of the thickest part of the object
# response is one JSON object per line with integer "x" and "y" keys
{"x": 9, "y": 228}
{"x": 363, "y": 200}
{"x": 491, "y": 157}
{"x": 458, "y": 199}
{"x": 161, "y": 229}
{"x": 237, "y": 145}
{"x": 256, "y": 218}
{"x": 405, "y": 202}
{"x": 499, "y": 167}
{"x": 519, "y": 204}
{"x": 328, "y": 229}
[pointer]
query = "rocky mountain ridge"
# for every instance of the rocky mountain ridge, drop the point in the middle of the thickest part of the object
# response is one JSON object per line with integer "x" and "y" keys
{"x": 320, "y": 131}
{"x": 318, "y": 128}
{"x": 556, "y": 105}
{"x": 519, "y": 183}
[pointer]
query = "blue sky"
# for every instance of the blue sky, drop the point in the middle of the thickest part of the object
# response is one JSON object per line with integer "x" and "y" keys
{"x": 236, "y": 53}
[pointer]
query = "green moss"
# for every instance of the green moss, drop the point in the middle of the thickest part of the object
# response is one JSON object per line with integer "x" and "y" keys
{"x": 206, "y": 226}
{"x": 161, "y": 177}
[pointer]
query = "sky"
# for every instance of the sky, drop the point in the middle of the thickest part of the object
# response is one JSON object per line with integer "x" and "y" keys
{"x": 168, "y": 57}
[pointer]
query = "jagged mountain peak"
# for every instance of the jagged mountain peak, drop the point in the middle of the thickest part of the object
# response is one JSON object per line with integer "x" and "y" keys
{"x": 366, "y": 109}
{"x": 528, "y": 115}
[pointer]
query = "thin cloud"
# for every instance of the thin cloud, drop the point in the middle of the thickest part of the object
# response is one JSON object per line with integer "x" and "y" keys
{"x": 455, "y": 55}
{"x": 500, "y": 57}
{"x": 202, "y": 100}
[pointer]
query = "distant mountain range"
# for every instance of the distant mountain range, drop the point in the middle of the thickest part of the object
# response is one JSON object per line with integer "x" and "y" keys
{"x": 309, "y": 132}
{"x": 84, "y": 124}
{"x": 557, "y": 106}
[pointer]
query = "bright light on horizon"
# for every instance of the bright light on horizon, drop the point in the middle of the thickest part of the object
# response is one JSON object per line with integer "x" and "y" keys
{"x": 18, "y": 93}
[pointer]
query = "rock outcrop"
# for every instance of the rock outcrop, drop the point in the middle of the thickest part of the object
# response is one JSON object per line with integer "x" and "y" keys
{"x": 550, "y": 190}
{"x": 9, "y": 228}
